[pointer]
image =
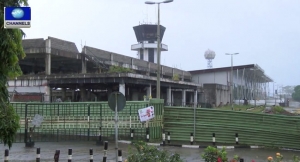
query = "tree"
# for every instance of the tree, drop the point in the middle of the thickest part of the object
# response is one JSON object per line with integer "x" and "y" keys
{"x": 288, "y": 89}
{"x": 296, "y": 94}
{"x": 11, "y": 51}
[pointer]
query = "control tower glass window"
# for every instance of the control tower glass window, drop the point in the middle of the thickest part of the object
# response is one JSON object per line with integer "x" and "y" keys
{"x": 141, "y": 54}
{"x": 151, "y": 55}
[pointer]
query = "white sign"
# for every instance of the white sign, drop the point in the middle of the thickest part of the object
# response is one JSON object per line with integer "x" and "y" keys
{"x": 37, "y": 120}
{"x": 146, "y": 114}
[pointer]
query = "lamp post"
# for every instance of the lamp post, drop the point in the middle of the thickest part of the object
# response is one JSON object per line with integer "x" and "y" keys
{"x": 231, "y": 78}
{"x": 158, "y": 45}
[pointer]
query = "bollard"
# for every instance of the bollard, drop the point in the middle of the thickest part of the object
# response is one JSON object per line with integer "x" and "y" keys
{"x": 6, "y": 155}
{"x": 105, "y": 151}
{"x": 147, "y": 132}
{"x": 38, "y": 154}
{"x": 192, "y": 138}
{"x": 164, "y": 137}
{"x": 214, "y": 139}
{"x": 241, "y": 160}
{"x": 131, "y": 134}
{"x": 56, "y": 155}
{"x": 70, "y": 155}
{"x": 119, "y": 155}
{"x": 169, "y": 137}
{"x": 237, "y": 138}
{"x": 91, "y": 155}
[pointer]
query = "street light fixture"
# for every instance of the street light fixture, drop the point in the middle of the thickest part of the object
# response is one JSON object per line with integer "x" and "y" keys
{"x": 158, "y": 45}
{"x": 231, "y": 78}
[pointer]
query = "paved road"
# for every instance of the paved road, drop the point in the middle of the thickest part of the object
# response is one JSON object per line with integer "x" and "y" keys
{"x": 19, "y": 153}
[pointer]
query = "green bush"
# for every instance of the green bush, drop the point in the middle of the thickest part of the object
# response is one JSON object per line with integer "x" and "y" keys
{"x": 145, "y": 153}
{"x": 119, "y": 69}
{"x": 278, "y": 109}
{"x": 176, "y": 77}
{"x": 212, "y": 154}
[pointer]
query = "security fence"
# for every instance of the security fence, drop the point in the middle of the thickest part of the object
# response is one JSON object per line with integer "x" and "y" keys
{"x": 252, "y": 128}
{"x": 85, "y": 121}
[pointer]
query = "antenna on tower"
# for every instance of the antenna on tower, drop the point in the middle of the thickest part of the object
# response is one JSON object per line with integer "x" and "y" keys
{"x": 209, "y": 56}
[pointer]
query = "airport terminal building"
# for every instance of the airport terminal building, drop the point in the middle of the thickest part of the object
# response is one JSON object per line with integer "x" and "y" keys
{"x": 55, "y": 69}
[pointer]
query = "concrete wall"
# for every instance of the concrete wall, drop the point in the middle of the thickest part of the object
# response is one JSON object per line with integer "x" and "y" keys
{"x": 216, "y": 77}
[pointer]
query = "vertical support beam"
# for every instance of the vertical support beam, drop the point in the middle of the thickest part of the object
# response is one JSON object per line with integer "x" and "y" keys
{"x": 48, "y": 57}
{"x": 182, "y": 78}
{"x": 148, "y": 70}
{"x": 149, "y": 91}
{"x": 122, "y": 88}
{"x": 89, "y": 94}
{"x": 183, "y": 97}
{"x": 169, "y": 96}
{"x": 172, "y": 72}
{"x": 83, "y": 62}
{"x": 73, "y": 95}
{"x": 82, "y": 94}
{"x": 195, "y": 98}
{"x": 47, "y": 94}
{"x": 132, "y": 63}
{"x": 63, "y": 93}
{"x": 172, "y": 98}
{"x": 191, "y": 98}
{"x": 111, "y": 58}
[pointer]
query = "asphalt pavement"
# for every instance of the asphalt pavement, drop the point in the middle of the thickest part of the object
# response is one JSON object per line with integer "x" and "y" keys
{"x": 19, "y": 153}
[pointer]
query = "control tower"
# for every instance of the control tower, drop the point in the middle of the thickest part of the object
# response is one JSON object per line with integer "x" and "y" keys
{"x": 146, "y": 35}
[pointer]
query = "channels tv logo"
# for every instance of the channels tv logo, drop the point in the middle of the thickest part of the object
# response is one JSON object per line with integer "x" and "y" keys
{"x": 17, "y": 17}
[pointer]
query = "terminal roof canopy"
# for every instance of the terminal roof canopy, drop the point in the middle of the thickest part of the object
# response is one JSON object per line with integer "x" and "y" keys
{"x": 148, "y": 32}
{"x": 251, "y": 69}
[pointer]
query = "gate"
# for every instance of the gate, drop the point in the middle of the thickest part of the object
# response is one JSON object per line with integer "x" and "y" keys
{"x": 62, "y": 122}
{"x": 82, "y": 121}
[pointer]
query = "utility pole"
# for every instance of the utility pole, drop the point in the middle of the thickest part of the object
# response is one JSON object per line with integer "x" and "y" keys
{"x": 231, "y": 78}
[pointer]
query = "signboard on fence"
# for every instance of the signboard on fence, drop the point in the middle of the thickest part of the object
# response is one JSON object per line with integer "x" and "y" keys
{"x": 146, "y": 114}
{"x": 37, "y": 120}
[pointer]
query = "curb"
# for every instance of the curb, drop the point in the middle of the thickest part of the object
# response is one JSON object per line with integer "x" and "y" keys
{"x": 196, "y": 146}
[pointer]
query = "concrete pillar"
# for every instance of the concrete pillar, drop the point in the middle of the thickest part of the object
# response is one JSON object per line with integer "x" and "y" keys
{"x": 47, "y": 94}
{"x": 83, "y": 65}
{"x": 122, "y": 88}
{"x": 169, "y": 96}
{"x": 128, "y": 94}
{"x": 89, "y": 94}
{"x": 149, "y": 91}
{"x": 195, "y": 98}
{"x": 148, "y": 69}
{"x": 109, "y": 91}
{"x": 183, "y": 97}
{"x": 172, "y": 98}
{"x": 63, "y": 93}
{"x": 73, "y": 95}
{"x": 82, "y": 94}
{"x": 83, "y": 62}
{"x": 48, "y": 57}
{"x": 191, "y": 97}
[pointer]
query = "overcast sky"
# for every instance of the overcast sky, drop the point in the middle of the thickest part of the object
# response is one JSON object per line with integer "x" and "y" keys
{"x": 264, "y": 32}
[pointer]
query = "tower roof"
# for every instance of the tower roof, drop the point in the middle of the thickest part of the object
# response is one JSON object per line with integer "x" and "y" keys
{"x": 148, "y": 32}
